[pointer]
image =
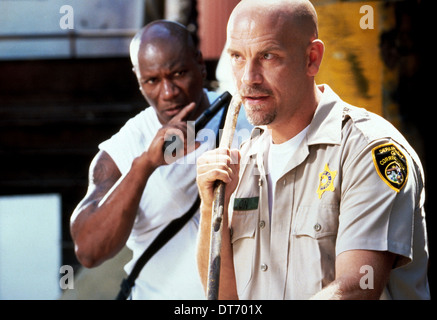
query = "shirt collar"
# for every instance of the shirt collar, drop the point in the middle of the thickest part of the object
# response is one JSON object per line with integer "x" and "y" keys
{"x": 325, "y": 127}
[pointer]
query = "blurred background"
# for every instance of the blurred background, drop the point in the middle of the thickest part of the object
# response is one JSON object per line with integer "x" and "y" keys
{"x": 66, "y": 85}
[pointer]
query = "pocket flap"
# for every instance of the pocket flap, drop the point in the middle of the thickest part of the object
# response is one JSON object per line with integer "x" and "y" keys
{"x": 316, "y": 222}
{"x": 243, "y": 224}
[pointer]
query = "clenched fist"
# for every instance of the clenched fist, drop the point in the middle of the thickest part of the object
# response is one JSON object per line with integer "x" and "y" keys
{"x": 219, "y": 164}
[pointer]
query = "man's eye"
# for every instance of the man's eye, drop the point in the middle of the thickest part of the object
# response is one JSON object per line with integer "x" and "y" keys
{"x": 236, "y": 57}
{"x": 149, "y": 81}
{"x": 268, "y": 56}
{"x": 178, "y": 74}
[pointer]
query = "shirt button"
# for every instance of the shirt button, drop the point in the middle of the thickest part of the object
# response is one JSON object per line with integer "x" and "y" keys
{"x": 260, "y": 182}
{"x": 264, "y": 267}
{"x": 262, "y": 224}
{"x": 317, "y": 227}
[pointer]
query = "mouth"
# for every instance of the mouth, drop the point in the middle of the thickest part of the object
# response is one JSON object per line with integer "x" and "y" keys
{"x": 255, "y": 95}
{"x": 255, "y": 99}
{"x": 172, "y": 111}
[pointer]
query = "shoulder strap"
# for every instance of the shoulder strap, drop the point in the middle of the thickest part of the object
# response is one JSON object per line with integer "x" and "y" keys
{"x": 164, "y": 236}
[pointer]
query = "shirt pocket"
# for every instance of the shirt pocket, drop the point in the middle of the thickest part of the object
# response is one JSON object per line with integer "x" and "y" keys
{"x": 313, "y": 248}
{"x": 244, "y": 225}
{"x": 316, "y": 222}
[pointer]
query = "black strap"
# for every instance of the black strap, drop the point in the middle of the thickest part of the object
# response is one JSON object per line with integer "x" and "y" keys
{"x": 164, "y": 236}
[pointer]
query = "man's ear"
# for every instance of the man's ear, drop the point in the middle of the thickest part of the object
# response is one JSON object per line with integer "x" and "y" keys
{"x": 315, "y": 54}
{"x": 201, "y": 62}
{"x": 134, "y": 70}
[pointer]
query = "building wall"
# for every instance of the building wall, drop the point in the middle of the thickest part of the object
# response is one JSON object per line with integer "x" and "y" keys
{"x": 213, "y": 18}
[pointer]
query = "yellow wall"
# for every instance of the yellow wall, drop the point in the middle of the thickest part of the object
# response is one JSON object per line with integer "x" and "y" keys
{"x": 351, "y": 64}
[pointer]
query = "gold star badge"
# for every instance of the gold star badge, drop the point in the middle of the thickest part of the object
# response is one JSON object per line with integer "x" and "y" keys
{"x": 326, "y": 181}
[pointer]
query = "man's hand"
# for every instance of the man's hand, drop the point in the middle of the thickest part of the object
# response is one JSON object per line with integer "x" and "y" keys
{"x": 219, "y": 164}
{"x": 177, "y": 126}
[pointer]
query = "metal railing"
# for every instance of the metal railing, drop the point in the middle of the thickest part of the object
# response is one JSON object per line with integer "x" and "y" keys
{"x": 72, "y": 36}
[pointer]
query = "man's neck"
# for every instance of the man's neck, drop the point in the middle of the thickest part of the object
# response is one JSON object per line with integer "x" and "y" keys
{"x": 286, "y": 129}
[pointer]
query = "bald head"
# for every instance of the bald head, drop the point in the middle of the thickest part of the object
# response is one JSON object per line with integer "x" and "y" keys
{"x": 169, "y": 68}
{"x": 161, "y": 34}
{"x": 276, "y": 54}
{"x": 299, "y": 15}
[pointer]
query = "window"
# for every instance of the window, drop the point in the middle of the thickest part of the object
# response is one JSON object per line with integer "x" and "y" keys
{"x": 98, "y": 28}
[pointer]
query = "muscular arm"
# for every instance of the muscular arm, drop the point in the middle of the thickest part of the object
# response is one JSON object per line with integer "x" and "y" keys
{"x": 103, "y": 220}
{"x": 352, "y": 282}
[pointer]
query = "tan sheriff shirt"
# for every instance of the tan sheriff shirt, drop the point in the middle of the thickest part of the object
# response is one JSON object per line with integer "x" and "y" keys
{"x": 353, "y": 183}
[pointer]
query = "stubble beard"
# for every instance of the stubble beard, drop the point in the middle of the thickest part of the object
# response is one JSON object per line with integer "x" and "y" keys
{"x": 258, "y": 117}
{"x": 258, "y": 114}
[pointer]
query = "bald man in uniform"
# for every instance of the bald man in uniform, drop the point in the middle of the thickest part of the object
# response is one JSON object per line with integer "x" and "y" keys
{"x": 325, "y": 200}
{"x": 134, "y": 191}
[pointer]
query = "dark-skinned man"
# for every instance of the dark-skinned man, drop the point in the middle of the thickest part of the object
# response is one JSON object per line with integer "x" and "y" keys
{"x": 135, "y": 189}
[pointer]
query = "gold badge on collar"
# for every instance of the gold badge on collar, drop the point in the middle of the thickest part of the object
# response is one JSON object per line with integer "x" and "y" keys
{"x": 391, "y": 165}
{"x": 326, "y": 181}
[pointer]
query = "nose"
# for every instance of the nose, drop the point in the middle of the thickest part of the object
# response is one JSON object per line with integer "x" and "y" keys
{"x": 252, "y": 73}
{"x": 169, "y": 89}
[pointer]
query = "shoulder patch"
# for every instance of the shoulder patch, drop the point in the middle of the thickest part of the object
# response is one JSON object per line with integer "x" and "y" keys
{"x": 391, "y": 165}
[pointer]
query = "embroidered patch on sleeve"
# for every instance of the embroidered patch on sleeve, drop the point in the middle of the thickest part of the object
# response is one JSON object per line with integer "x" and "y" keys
{"x": 391, "y": 165}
